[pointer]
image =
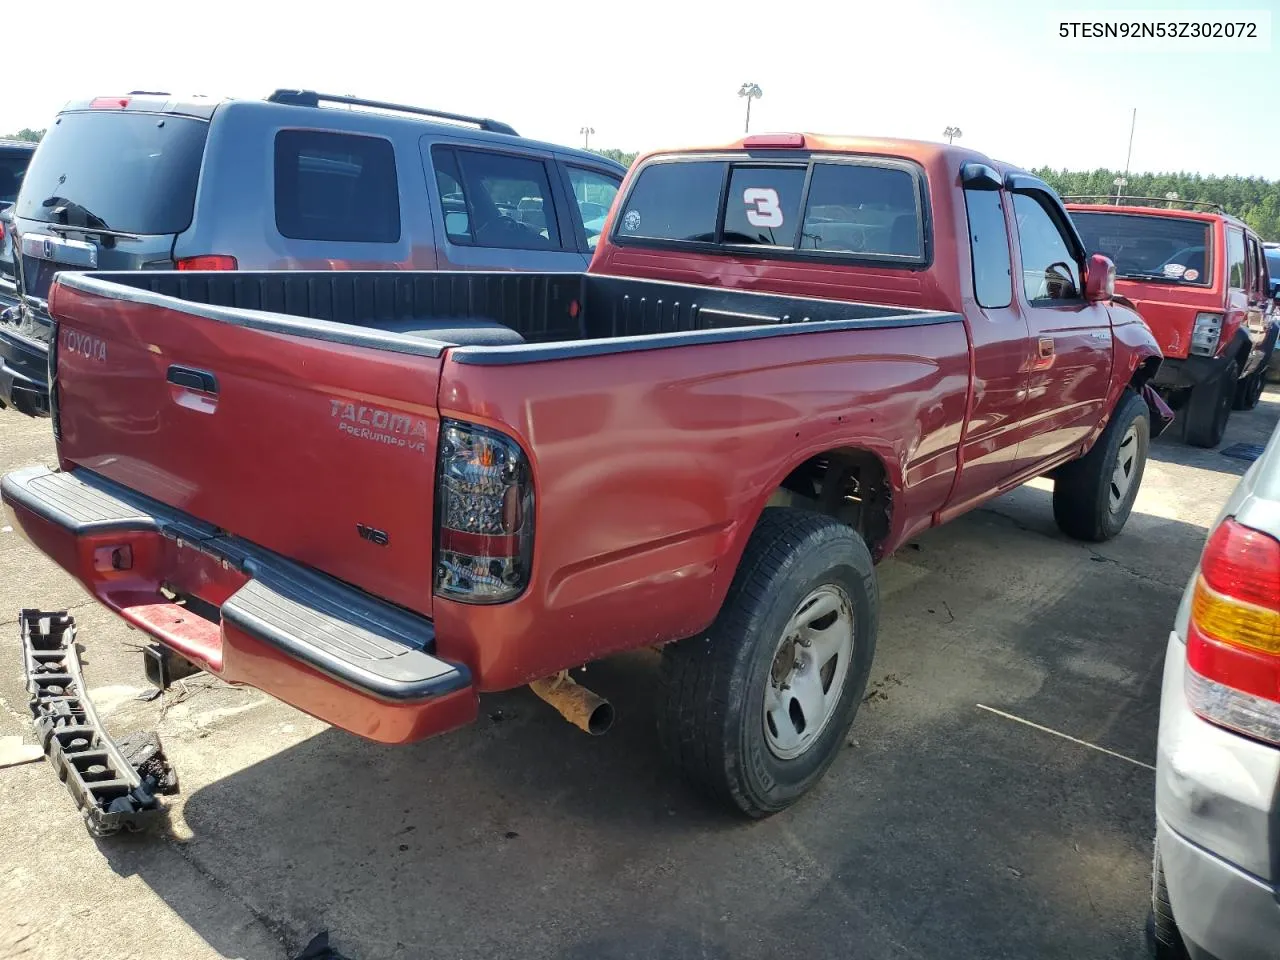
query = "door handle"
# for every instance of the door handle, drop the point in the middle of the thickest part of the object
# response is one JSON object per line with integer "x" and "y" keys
{"x": 192, "y": 379}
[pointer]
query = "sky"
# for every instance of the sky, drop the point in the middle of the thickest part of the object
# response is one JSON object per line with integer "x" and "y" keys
{"x": 664, "y": 73}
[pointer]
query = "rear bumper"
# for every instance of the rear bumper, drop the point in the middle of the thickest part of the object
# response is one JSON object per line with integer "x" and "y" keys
{"x": 1217, "y": 820}
{"x": 24, "y": 373}
{"x": 243, "y": 613}
{"x": 1181, "y": 372}
{"x": 1222, "y": 912}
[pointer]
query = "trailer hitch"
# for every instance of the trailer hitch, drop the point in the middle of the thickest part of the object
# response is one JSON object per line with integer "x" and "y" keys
{"x": 116, "y": 786}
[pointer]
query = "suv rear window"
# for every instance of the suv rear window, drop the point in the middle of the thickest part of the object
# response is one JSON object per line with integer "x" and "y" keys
{"x": 336, "y": 186}
{"x": 133, "y": 172}
{"x": 863, "y": 210}
{"x": 1166, "y": 249}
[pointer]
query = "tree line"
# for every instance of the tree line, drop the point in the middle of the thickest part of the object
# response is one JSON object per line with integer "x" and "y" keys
{"x": 1254, "y": 200}
{"x": 26, "y": 133}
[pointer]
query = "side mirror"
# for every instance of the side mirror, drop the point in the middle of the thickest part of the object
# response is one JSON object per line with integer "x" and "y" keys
{"x": 1100, "y": 279}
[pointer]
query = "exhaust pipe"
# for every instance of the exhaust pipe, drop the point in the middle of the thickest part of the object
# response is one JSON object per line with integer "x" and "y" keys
{"x": 584, "y": 709}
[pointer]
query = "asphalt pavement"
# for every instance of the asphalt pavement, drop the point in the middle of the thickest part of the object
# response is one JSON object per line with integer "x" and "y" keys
{"x": 994, "y": 798}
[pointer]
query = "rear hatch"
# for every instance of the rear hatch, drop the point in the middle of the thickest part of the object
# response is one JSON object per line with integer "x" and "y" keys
{"x": 320, "y": 449}
{"x": 1166, "y": 265}
{"x": 110, "y": 188}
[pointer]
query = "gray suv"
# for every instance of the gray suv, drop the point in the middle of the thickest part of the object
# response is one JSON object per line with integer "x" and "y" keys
{"x": 15, "y": 157}
{"x": 298, "y": 181}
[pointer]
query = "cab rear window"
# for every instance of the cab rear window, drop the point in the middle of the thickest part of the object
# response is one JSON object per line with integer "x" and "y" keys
{"x": 822, "y": 207}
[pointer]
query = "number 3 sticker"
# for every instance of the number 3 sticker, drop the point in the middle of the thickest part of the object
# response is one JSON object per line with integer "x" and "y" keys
{"x": 762, "y": 207}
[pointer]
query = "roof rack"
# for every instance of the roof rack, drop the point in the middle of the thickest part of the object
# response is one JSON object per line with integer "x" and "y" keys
{"x": 309, "y": 98}
{"x": 1146, "y": 201}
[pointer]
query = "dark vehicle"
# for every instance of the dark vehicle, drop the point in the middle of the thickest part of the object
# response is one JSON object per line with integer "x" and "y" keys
{"x": 149, "y": 182}
{"x": 492, "y": 478}
{"x": 15, "y": 156}
{"x": 1199, "y": 279}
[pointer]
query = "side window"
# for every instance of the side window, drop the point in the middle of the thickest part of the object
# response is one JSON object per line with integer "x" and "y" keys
{"x": 1235, "y": 259}
{"x": 674, "y": 201}
{"x": 989, "y": 243}
{"x": 336, "y": 186}
{"x": 763, "y": 205}
{"x": 857, "y": 208}
{"x": 1049, "y": 268}
{"x": 1257, "y": 273}
{"x": 495, "y": 200}
{"x": 593, "y": 192}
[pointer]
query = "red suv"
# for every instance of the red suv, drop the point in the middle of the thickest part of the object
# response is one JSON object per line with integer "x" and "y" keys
{"x": 1199, "y": 279}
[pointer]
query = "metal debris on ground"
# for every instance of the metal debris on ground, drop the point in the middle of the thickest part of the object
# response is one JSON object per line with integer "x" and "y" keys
{"x": 1247, "y": 452}
{"x": 111, "y": 794}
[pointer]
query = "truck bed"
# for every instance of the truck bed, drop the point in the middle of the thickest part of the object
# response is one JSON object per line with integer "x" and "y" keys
{"x": 492, "y": 317}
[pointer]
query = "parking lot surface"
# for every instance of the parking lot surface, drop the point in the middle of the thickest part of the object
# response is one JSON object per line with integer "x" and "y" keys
{"x": 994, "y": 799}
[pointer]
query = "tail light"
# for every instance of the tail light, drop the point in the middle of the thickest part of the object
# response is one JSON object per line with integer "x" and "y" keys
{"x": 212, "y": 261}
{"x": 108, "y": 103}
{"x": 1233, "y": 640}
{"x": 1206, "y": 333}
{"x": 484, "y": 492}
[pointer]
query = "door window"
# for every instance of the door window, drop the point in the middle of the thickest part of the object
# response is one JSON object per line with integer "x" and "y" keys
{"x": 1049, "y": 268}
{"x": 593, "y": 194}
{"x": 989, "y": 245}
{"x": 1235, "y": 259}
{"x": 495, "y": 200}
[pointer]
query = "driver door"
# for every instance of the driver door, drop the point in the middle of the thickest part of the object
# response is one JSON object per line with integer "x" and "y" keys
{"x": 1069, "y": 366}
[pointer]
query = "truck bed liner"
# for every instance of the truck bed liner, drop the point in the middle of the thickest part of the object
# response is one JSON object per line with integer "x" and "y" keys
{"x": 491, "y": 317}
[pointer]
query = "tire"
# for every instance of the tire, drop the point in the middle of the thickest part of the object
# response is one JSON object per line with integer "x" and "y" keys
{"x": 1249, "y": 390}
{"x": 1093, "y": 496}
{"x": 1209, "y": 408}
{"x": 712, "y": 715}
{"x": 1162, "y": 930}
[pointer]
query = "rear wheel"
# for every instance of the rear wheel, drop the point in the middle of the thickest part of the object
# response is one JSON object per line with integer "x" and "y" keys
{"x": 1249, "y": 390}
{"x": 1209, "y": 408}
{"x": 755, "y": 710}
{"x": 1093, "y": 496}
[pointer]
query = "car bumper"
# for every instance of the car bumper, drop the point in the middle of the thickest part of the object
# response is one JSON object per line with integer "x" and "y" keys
{"x": 24, "y": 377}
{"x": 1216, "y": 817}
{"x": 241, "y": 612}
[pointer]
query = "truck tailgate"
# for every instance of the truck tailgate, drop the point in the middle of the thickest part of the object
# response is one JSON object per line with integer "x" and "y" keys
{"x": 321, "y": 450}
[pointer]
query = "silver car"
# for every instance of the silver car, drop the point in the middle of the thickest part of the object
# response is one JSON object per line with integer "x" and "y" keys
{"x": 1216, "y": 871}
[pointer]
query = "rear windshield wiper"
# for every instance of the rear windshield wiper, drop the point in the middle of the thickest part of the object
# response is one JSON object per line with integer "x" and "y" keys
{"x": 62, "y": 207}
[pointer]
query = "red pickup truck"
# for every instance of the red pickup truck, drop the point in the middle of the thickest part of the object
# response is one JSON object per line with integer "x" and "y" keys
{"x": 376, "y": 495}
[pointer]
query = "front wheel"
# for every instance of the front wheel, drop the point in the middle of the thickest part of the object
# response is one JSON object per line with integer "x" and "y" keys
{"x": 755, "y": 710}
{"x": 1093, "y": 496}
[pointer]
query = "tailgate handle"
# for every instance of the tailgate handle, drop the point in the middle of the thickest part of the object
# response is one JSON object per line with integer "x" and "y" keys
{"x": 193, "y": 379}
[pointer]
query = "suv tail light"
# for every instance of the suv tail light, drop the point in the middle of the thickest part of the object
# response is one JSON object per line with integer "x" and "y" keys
{"x": 211, "y": 261}
{"x": 1206, "y": 333}
{"x": 1233, "y": 640}
{"x": 484, "y": 492}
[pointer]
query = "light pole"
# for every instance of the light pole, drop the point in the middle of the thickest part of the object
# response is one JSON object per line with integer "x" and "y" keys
{"x": 586, "y": 137}
{"x": 751, "y": 91}
{"x": 1120, "y": 183}
{"x": 951, "y": 133}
